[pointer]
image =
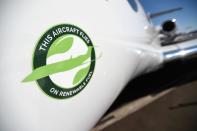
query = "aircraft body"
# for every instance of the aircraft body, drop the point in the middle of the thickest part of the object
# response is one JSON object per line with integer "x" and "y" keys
{"x": 112, "y": 42}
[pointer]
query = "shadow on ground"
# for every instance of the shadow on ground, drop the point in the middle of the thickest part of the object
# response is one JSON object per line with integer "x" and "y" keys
{"x": 176, "y": 111}
{"x": 173, "y": 74}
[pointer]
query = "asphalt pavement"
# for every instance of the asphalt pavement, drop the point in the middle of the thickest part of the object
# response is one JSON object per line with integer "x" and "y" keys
{"x": 176, "y": 111}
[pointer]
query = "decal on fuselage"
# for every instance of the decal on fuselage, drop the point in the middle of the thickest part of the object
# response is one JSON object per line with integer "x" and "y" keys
{"x": 63, "y": 61}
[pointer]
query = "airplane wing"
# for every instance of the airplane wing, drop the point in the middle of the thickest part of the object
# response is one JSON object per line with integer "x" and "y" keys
{"x": 178, "y": 38}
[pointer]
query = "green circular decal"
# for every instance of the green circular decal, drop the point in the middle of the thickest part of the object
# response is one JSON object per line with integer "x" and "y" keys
{"x": 63, "y": 62}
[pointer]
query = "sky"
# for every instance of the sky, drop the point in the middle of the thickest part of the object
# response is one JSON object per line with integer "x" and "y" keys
{"x": 186, "y": 18}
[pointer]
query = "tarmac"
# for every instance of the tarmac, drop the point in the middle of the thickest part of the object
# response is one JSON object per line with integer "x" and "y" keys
{"x": 176, "y": 111}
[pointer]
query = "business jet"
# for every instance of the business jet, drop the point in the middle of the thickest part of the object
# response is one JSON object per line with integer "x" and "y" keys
{"x": 84, "y": 54}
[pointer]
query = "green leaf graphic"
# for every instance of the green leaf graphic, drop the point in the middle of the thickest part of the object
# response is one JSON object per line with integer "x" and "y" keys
{"x": 62, "y": 66}
{"x": 81, "y": 74}
{"x": 61, "y": 45}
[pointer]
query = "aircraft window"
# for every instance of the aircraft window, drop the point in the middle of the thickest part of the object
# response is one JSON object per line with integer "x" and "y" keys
{"x": 133, "y": 5}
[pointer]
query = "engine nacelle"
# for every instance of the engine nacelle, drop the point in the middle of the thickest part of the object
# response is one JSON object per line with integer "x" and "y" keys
{"x": 169, "y": 27}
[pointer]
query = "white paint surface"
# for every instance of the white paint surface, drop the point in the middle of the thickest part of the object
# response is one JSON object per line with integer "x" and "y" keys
{"x": 115, "y": 29}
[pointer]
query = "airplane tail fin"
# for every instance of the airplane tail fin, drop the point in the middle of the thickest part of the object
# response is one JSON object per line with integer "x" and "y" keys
{"x": 154, "y": 15}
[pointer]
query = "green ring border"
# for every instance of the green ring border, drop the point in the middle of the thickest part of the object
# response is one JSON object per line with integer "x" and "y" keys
{"x": 92, "y": 67}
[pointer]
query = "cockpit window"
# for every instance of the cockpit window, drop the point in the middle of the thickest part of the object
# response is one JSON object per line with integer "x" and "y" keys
{"x": 133, "y": 5}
